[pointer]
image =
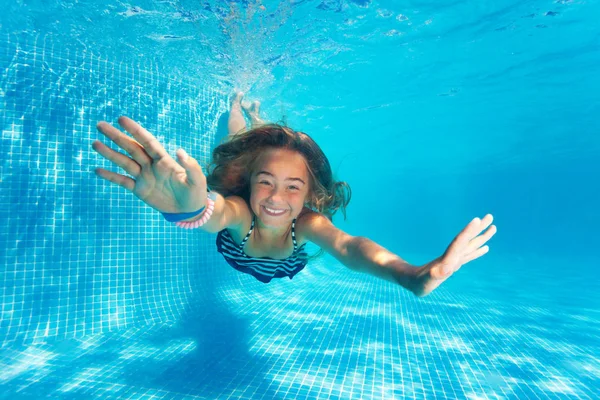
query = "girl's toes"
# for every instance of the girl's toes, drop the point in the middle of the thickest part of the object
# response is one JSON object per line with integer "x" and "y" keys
{"x": 236, "y": 98}
{"x": 246, "y": 105}
{"x": 256, "y": 107}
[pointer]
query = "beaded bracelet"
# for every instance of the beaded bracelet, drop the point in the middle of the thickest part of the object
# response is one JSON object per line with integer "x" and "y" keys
{"x": 206, "y": 212}
{"x": 210, "y": 206}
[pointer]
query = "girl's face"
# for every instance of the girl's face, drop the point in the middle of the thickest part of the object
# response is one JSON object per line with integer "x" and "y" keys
{"x": 279, "y": 187}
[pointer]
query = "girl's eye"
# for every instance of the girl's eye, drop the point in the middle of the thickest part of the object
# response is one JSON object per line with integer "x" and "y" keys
{"x": 269, "y": 183}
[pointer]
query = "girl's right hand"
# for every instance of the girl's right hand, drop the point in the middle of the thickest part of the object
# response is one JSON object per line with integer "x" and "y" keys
{"x": 158, "y": 180}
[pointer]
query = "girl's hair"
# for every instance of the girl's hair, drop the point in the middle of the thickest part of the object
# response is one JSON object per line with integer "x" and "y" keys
{"x": 234, "y": 162}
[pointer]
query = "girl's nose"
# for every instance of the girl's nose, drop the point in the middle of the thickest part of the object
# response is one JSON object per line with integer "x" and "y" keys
{"x": 276, "y": 197}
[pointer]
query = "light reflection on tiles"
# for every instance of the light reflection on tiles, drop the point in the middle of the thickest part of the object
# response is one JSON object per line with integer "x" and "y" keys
{"x": 93, "y": 311}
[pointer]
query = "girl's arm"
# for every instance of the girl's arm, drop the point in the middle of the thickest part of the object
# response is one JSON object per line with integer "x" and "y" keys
{"x": 364, "y": 255}
{"x": 160, "y": 181}
{"x": 358, "y": 253}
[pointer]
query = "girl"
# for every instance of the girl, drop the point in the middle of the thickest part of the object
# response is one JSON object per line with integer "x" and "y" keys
{"x": 272, "y": 192}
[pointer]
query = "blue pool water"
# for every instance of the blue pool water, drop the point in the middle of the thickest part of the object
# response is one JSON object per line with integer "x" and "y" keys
{"x": 434, "y": 113}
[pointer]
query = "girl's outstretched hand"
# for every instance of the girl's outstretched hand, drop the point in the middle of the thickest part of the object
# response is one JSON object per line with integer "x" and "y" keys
{"x": 466, "y": 247}
{"x": 158, "y": 180}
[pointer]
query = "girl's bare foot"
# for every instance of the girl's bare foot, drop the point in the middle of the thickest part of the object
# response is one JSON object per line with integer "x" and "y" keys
{"x": 236, "y": 123}
{"x": 252, "y": 112}
{"x": 235, "y": 100}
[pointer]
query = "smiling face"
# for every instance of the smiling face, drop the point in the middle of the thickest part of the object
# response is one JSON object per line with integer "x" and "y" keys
{"x": 279, "y": 187}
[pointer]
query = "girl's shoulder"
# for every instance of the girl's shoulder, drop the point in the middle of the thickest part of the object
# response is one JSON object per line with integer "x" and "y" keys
{"x": 302, "y": 224}
{"x": 239, "y": 232}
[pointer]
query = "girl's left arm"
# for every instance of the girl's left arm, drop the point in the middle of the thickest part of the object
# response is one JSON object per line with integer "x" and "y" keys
{"x": 358, "y": 253}
{"x": 364, "y": 255}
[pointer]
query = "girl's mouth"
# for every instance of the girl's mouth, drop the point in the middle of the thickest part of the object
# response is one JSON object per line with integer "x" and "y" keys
{"x": 273, "y": 211}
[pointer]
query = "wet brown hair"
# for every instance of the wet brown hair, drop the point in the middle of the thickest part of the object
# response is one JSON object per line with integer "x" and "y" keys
{"x": 234, "y": 161}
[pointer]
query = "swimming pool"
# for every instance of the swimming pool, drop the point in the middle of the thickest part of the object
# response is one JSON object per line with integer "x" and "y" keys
{"x": 434, "y": 114}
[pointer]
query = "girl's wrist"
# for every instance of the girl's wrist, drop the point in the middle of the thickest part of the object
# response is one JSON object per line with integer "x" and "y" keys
{"x": 204, "y": 216}
{"x": 178, "y": 217}
{"x": 189, "y": 216}
{"x": 196, "y": 217}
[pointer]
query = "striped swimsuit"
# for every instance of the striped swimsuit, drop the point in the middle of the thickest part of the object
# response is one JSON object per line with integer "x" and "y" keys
{"x": 262, "y": 268}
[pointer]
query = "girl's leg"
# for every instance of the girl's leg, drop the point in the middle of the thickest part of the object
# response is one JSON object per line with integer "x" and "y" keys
{"x": 236, "y": 124}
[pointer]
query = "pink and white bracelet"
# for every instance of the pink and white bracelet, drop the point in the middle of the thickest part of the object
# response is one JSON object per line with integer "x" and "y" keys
{"x": 210, "y": 206}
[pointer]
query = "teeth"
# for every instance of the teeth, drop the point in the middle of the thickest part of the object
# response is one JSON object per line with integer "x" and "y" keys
{"x": 274, "y": 211}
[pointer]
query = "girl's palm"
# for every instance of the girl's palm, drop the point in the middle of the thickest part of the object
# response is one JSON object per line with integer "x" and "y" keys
{"x": 466, "y": 247}
{"x": 159, "y": 180}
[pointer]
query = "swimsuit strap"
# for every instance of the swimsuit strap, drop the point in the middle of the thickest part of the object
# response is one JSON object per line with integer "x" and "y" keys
{"x": 294, "y": 234}
{"x": 248, "y": 234}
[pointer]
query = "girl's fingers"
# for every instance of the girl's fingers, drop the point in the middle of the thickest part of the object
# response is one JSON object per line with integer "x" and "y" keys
{"x": 480, "y": 226}
{"x": 486, "y": 221}
{"x": 476, "y": 254}
{"x": 145, "y": 138}
{"x": 120, "y": 180}
{"x": 130, "y": 166}
{"x": 481, "y": 239}
{"x": 473, "y": 229}
{"x": 132, "y": 147}
{"x": 463, "y": 238}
